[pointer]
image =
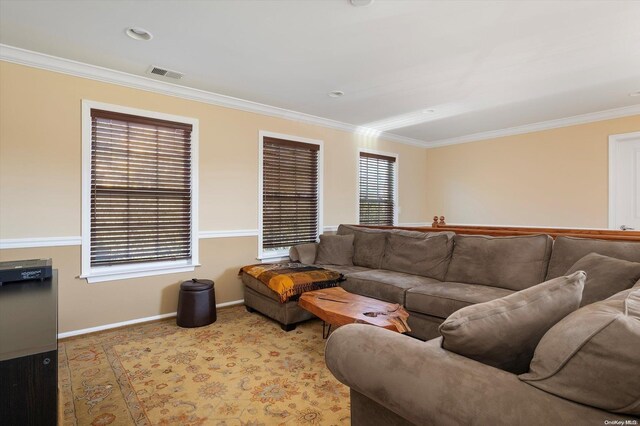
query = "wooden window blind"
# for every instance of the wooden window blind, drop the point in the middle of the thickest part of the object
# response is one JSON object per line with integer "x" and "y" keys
{"x": 289, "y": 193}
{"x": 140, "y": 189}
{"x": 377, "y": 188}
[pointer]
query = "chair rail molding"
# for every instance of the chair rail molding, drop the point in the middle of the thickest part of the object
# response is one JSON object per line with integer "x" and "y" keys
{"x": 17, "y": 243}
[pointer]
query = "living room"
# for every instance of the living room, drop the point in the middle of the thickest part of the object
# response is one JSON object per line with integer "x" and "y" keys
{"x": 507, "y": 122}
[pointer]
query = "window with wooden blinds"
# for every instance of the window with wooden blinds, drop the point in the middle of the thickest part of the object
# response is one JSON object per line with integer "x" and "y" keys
{"x": 377, "y": 189}
{"x": 290, "y": 194}
{"x": 141, "y": 189}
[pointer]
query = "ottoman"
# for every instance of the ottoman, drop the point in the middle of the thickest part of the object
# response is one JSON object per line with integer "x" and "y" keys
{"x": 196, "y": 303}
{"x": 258, "y": 297}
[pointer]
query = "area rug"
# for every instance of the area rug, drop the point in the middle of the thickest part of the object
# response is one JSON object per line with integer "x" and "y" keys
{"x": 241, "y": 370}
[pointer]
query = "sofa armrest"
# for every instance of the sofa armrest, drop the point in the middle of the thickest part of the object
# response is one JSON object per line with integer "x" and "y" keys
{"x": 426, "y": 384}
{"x": 304, "y": 253}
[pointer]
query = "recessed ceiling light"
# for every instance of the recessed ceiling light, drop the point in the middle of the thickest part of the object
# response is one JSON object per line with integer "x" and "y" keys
{"x": 138, "y": 33}
{"x": 360, "y": 3}
{"x": 336, "y": 93}
{"x": 636, "y": 93}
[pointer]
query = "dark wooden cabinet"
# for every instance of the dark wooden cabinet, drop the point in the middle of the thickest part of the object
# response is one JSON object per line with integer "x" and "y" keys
{"x": 29, "y": 353}
{"x": 29, "y": 388}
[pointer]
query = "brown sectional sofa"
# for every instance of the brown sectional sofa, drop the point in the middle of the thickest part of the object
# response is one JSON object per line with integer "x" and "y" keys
{"x": 434, "y": 274}
{"x": 422, "y": 383}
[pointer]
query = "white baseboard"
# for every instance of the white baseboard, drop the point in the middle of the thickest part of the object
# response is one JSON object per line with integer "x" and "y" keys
{"x": 134, "y": 321}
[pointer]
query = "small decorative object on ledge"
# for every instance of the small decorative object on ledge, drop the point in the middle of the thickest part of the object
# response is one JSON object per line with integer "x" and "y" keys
{"x": 437, "y": 223}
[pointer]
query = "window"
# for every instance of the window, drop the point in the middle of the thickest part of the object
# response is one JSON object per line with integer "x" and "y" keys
{"x": 377, "y": 189}
{"x": 290, "y": 188}
{"x": 138, "y": 193}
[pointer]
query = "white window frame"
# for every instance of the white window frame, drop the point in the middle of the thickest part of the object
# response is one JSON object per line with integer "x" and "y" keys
{"x": 143, "y": 269}
{"x": 396, "y": 165}
{"x": 281, "y": 254}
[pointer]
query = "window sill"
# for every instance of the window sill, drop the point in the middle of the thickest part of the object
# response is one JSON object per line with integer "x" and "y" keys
{"x": 274, "y": 256}
{"x": 119, "y": 273}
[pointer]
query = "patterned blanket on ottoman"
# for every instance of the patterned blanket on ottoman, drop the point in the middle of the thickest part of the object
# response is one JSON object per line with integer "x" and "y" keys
{"x": 292, "y": 279}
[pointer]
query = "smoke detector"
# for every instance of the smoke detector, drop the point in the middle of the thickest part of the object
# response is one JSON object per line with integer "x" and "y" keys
{"x": 138, "y": 33}
{"x": 165, "y": 72}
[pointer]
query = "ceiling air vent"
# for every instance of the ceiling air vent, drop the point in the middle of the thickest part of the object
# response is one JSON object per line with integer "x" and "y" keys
{"x": 165, "y": 72}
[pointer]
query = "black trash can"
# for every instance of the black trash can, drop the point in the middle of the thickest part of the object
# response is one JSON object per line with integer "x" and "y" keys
{"x": 196, "y": 303}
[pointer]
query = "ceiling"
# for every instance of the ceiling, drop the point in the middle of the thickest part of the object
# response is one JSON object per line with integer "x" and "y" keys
{"x": 479, "y": 66}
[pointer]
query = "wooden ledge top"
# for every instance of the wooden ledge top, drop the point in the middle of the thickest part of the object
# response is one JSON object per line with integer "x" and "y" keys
{"x": 506, "y": 231}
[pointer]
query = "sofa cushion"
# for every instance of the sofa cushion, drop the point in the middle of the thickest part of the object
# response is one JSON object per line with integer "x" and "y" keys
{"x": 593, "y": 356}
{"x": 368, "y": 245}
{"x": 304, "y": 253}
{"x": 335, "y": 250}
{"x": 389, "y": 286}
{"x": 514, "y": 263}
{"x": 505, "y": 332}
{"x": 419, "y": 253}
{"x": 568, "y": 250}
{"x": 623, "y": 294}
{"x": 343, "y": 269}
{"x": 606, "y": 276}
{"x": 441, "y": 299}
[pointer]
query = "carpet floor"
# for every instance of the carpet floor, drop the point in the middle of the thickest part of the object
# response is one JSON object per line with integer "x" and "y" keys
{"x": 240, "y": 370}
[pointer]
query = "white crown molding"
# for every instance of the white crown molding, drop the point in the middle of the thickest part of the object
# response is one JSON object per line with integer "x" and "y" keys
{"x": 93, "y": 72}
{"x": 15, "y": 243}
{"x": 106, "y": 75}
{"x": 229, "y": 234}
{"x": 133, "y": 321}
{"x": 537, "y": 127}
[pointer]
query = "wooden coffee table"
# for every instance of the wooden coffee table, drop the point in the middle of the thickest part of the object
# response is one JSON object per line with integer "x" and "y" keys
{"x": 336, "y": 306}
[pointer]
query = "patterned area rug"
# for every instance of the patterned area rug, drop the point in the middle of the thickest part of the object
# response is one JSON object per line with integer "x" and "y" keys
{"x": 241, "y": 370}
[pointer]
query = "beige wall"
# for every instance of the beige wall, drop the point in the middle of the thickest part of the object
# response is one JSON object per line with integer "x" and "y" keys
{"x": 556, "y": 177}
{"x": 551, "y": 178}
{"x": 40, "y": 186}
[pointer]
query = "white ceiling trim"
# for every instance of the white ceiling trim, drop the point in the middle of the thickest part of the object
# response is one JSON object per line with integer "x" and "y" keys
{"x": 93, "y": 72}
{"x": 543, "y": 125}
{"x": 106, "y": 75}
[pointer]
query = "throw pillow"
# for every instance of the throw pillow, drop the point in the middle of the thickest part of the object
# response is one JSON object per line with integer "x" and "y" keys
{"x": 592, "y": 356}
{"x": 504, "y": 332}
{"x": 425, "y": 254}
{"x": 368, "y": 245}
{"x": 335, "y": 250}
{"x": 304, "y": 253}
{"x": 606, "y": 276}
{"x": 514, "y": 263}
